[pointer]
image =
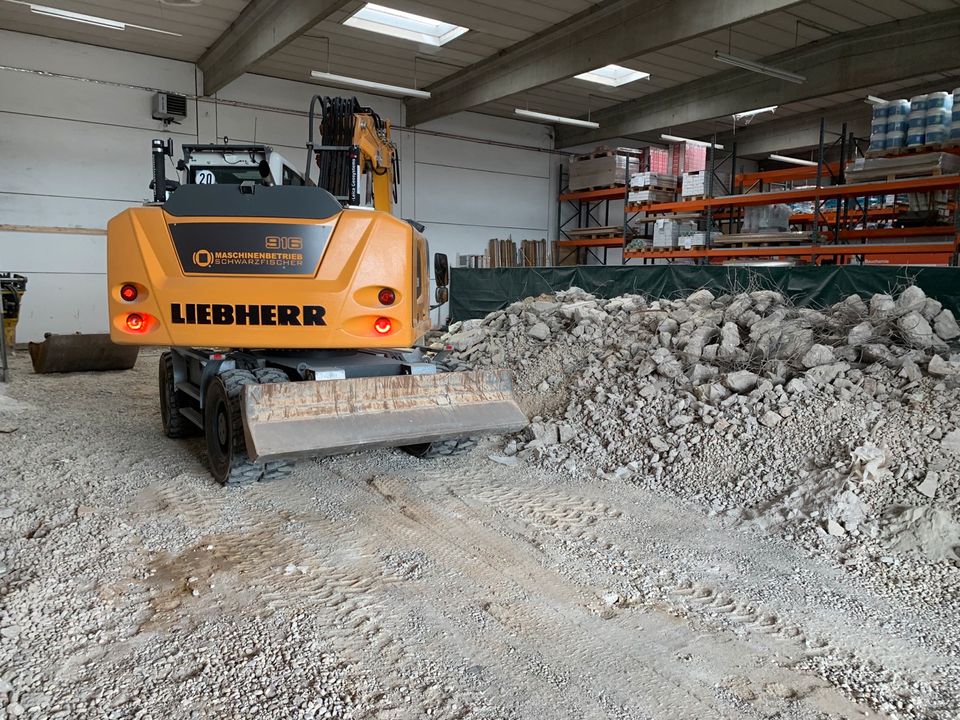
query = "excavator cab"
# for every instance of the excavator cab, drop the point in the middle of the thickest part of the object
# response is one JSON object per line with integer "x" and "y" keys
{"x": 236, "y": 165}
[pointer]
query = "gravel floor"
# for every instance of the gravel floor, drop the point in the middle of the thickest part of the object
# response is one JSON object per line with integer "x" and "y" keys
{"x": 376, "y": 585}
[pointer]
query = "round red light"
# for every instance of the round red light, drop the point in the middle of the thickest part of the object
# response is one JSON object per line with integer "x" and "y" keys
{"x": 129, "y": 292}
{"x": 135, "y": 322}
{"x": 387, "y": 296}
{"x": 382, "y": 325}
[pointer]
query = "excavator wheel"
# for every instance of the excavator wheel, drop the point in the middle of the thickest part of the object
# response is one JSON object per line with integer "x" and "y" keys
{"x": 441, "y": 448}
{"x": 223, "y": 428}
{"x": 278, "y": 469}
{"x": 175, "y": 425}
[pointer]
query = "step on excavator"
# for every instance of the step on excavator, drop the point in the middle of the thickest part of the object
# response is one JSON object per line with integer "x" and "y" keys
{"x": 291, "y": 312}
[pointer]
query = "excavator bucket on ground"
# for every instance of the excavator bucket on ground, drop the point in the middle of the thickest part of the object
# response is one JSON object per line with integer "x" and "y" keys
{"x": 80, "y": 353}
{"x": 289, "y": 420}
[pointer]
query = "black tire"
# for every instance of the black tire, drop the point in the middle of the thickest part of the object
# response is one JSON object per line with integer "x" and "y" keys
{"x": 223, "y": 429}
{"x": 278, "y": 469}
{"x": 175, "y": 425}
{"x": 441, "y": 448}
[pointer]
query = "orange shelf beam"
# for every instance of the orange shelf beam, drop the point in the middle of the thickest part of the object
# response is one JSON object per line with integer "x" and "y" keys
{"x": 614, "y": 193}
{"x": 940, "y": 248}
{"x": 610, "y": 242}
{"x": 883, "y": 233}
{"x": 805, "y": 172}
{"x": 923, "y": 184}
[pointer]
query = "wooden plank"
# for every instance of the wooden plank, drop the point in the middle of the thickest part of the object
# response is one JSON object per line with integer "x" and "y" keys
{"x": 52, "y": 230}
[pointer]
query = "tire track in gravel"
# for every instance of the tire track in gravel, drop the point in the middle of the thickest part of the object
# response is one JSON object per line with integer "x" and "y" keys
{"x": 543, "y": 628}
{"x": 291, "y": 562}
{"x": 705, "y": 603}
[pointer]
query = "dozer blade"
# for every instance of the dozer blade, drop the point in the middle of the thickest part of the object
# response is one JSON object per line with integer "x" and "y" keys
{"x": 287, "y": 420}
{"x": 78, "y": 353}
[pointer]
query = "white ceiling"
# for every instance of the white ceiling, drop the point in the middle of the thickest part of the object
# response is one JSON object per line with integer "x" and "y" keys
{"x": 494, "y": 25}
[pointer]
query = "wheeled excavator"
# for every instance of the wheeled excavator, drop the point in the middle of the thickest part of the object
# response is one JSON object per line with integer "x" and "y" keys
{"x": 291, "y": 313}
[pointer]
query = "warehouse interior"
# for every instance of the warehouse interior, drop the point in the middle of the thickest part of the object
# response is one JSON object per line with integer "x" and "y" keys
{"x": 542, "y": 358}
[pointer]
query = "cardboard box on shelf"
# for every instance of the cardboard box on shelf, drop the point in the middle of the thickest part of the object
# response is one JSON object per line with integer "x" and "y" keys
{"x": 653, "y": 179}
{"x": 667, "y": 232}
{"x": 695, "y": 184}
{"x": 766, "y": 218}
{"x": 697, "y": 238}
{"x": 602, "y": 171}
{"x": 685, "y": 157}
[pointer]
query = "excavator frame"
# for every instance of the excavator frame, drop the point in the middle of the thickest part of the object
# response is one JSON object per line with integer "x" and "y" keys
{"x": 279, "y": 397}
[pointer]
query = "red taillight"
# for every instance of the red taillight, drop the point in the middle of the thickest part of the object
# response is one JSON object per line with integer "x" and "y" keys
{"x": 383, "y": 325}
{"x": 135, "y": 322}
{"x": 129, "y": 292}
{"x": 387, "y": 296}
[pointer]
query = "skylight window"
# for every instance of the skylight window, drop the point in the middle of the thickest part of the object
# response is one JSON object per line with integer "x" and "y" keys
{"x": 613, "y": 75}
{"x": 380, "y": 19}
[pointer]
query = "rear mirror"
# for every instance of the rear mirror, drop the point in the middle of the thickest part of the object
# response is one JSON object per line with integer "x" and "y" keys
{"x": 442, "y": 294}
{"x": 264, "y": 169}
{"x": 441, "y": 269}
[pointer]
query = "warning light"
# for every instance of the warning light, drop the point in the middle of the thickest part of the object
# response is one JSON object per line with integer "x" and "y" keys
{"x": 383, "y": 325}
{"x": 136, "y": 323}
{"x": 129, "y": 292}
{"x": 387, "y": 296}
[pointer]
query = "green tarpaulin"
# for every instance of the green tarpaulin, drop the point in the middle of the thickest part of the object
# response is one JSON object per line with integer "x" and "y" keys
{"x": 476, "y": 292}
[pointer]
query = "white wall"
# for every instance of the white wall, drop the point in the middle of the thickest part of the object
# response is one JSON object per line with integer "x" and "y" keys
{"x": 78, "y": 152}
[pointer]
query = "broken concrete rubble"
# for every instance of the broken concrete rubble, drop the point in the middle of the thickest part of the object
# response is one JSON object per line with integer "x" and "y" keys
{"x": 739, "y": 399}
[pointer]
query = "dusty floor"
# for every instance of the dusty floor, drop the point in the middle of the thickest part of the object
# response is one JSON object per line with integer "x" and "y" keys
{"x": 380, "y": 586}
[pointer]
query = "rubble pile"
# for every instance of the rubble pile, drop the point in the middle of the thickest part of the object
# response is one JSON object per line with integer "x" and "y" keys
{"x": 819, "y": 422}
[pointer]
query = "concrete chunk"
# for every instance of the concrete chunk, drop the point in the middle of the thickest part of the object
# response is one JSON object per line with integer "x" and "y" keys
{"x": 771, "y": 419}
{"x": 540, "y": 331}
{"x": 945, "y": 325}
{"x": 741, "y": 380}
{"x": 818, "y": 355}
{"x": 915, "y": 330}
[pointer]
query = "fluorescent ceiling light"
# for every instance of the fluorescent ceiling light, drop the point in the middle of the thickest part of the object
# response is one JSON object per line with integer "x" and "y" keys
{"x": 94, "y": 20}
{"x": 612, "y": 75}
{"x": 793, "y": 160}
{"x": 404, "y": 25}
{"x": 556, "y": 118}
{"x": 759, "y": 67}
{"x": 369, "y": 85}
{"x": 874, "y": 100}
{"x": 751, "y": 113}
{"x": 701, "y": 143}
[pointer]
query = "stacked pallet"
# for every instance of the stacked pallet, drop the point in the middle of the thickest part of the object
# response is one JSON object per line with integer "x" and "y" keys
{"x": 652, "y": 187}
{"x": 603, "y": 168}
{"x": 697, "y": 184}
{"x": 924, "y": 122}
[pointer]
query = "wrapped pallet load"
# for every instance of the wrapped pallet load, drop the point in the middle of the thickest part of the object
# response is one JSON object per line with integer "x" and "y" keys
{"x": 896, "y": 128}
{"x": 603, "y": 168}
{"x": 955, "y": 119}
{"x": 917, "y": 121}
{"x": 938, "y": 118}
{"x": 878, "y": 128}
{"x": 766, "y": 219}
